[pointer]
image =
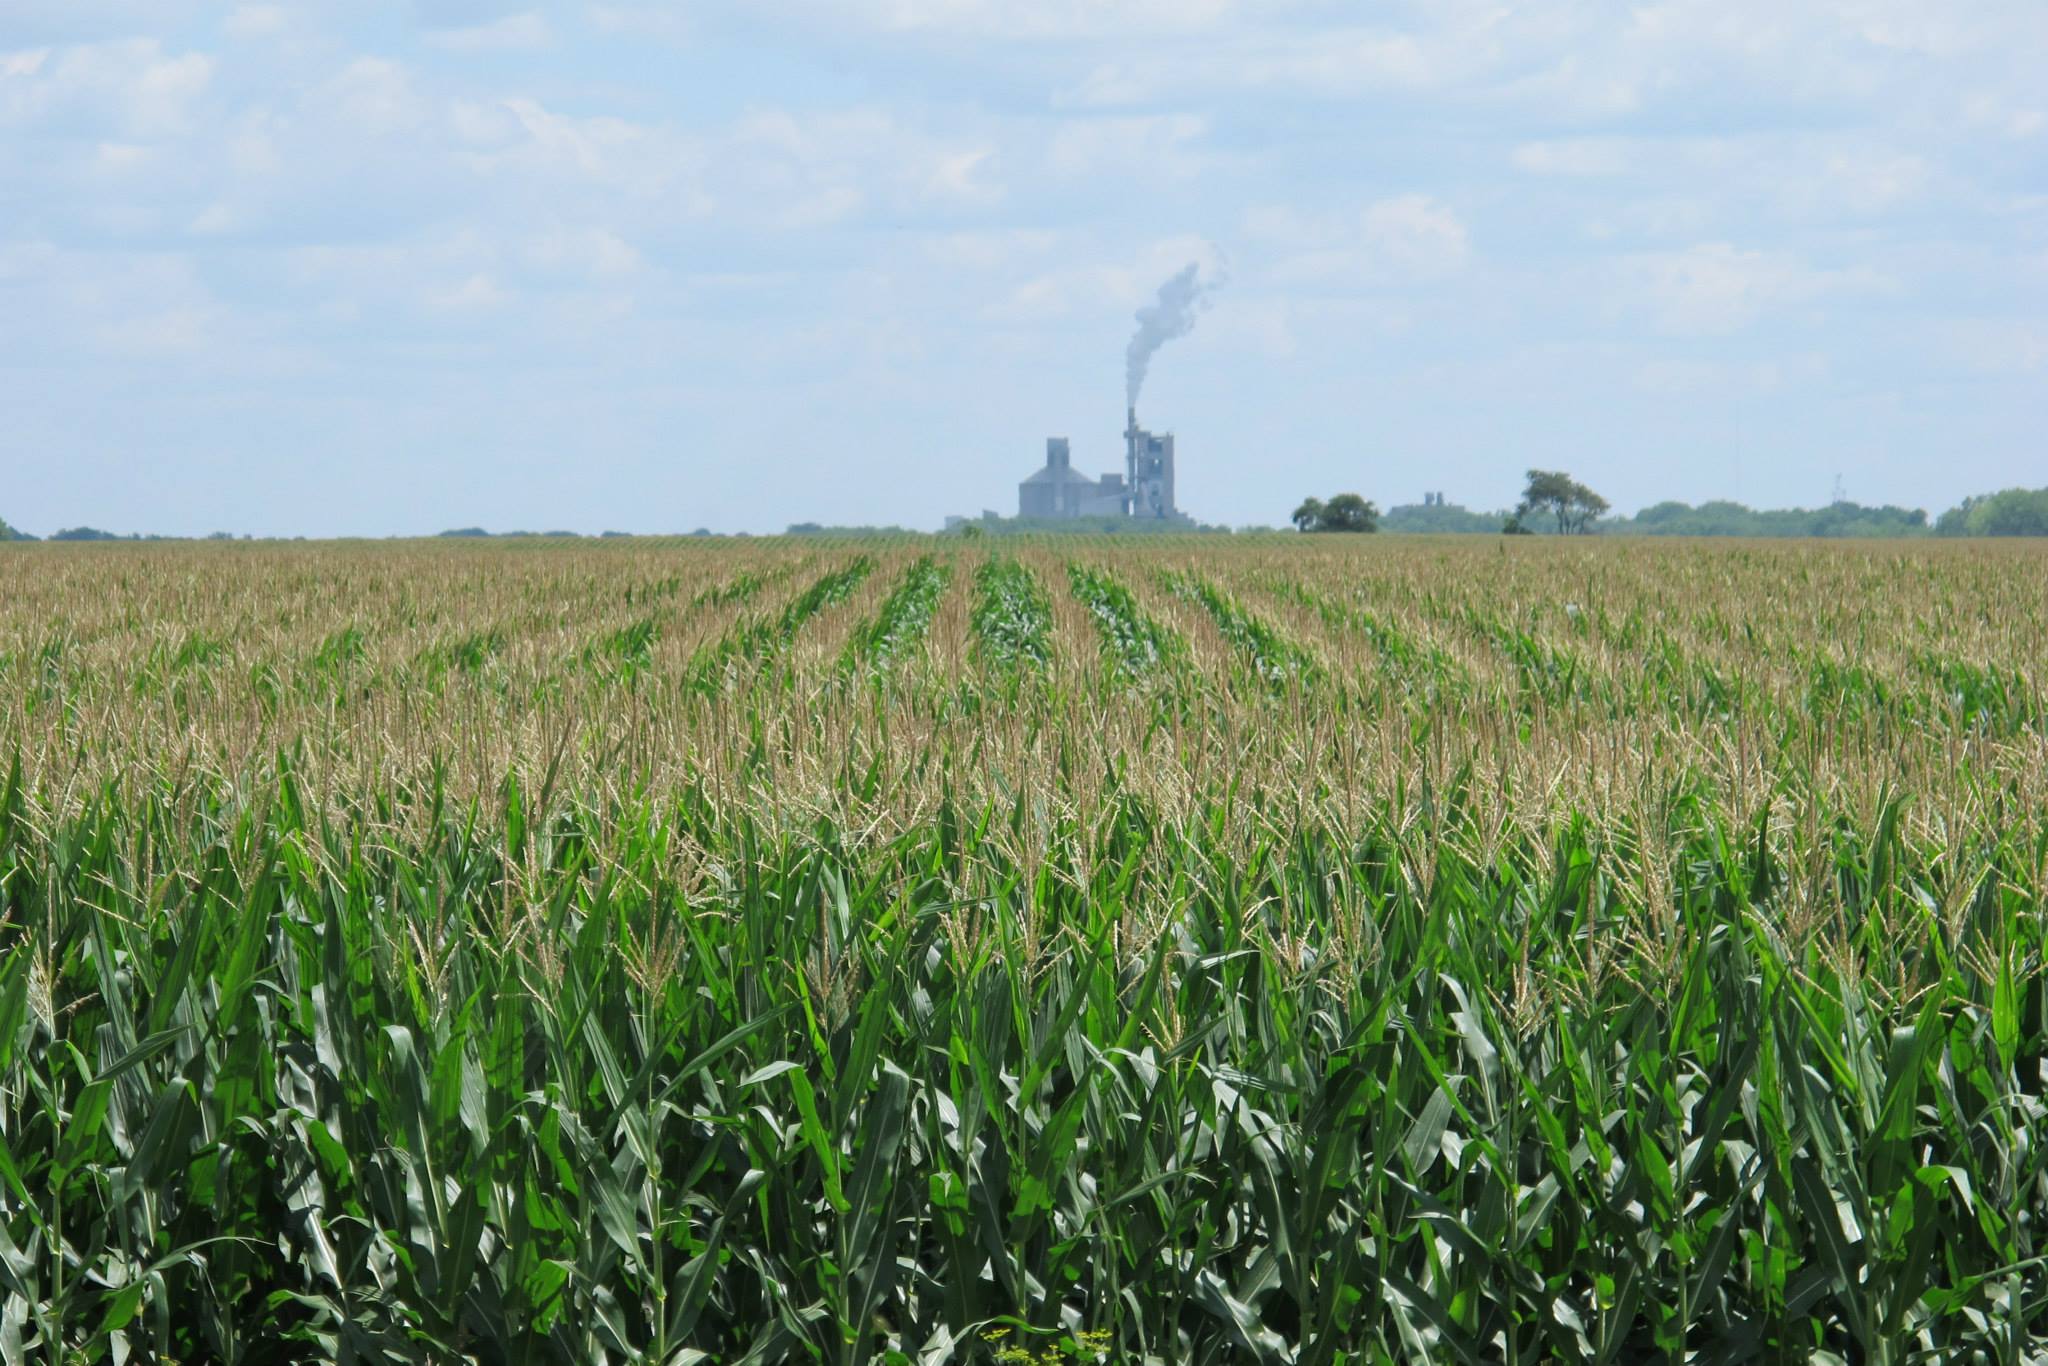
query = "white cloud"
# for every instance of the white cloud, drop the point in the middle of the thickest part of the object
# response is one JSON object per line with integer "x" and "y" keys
{"x": 641, "y": 21}
{"x": 375, "y": 96}
{"x": 1337, "y": 64}
{"x": 1084, "y": 289}
{"x": 175, "y": 333}
{"x": 214, "y": 220}
{"x": 1416, "y": 234}
{"x": 1404, "y": 239}
{"x": 131, "y": 85}
{"x": 1715, "y": 287}
{"x": 1582, "y": 157}
{"x": 1145, "y": 147}
{"x": 476, "y": 293}
{"x": 513, "y": 33}
{"x": 522, "y": 136}
{"x": 1038, "y": 20}
{"x": 21, "y": 65}
{"x": 113, "y": 304}
{"x": 256, "y": 21}
{"x": 954, "y": 176}
{"x": 808, "y": 168}
{"x": 595, "y": 252}
{"x": 1997, "y": 346}
{"x": 988, "y": 251}
{"x": 1688, "y": 187}
{"x": 1685, "y": 378}
{"x": 121, "y": 156}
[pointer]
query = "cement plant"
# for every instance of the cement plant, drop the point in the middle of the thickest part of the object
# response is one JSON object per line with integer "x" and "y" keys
{"x": 1144, "y": 490}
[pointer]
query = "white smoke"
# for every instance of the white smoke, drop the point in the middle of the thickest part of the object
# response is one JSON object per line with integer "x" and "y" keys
{"x": 1171, "y": 315}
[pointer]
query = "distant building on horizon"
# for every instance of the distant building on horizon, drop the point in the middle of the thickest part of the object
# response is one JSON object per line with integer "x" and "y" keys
{"x": 1059, "y": 490}
{"x": 1143, "y": 491}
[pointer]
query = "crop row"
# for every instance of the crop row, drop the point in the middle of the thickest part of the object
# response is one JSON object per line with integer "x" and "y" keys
{"x": 1133, "y": 642}
{"x": 331, "y": 1092}
{"x": 754, "y": 639}
{"x": 904, "y": 618}
{"x": 1012, "y": 616}
{"x": 1274, "y": 660}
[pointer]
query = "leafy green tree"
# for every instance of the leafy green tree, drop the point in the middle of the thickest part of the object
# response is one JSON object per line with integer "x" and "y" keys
{"x": 1587, "y": 508}
{"x": 2014, "y": 512}
{"x": 1554, "y": 492}
{"x": 1349, "y": 512}
{"x": 1345, "y": 512}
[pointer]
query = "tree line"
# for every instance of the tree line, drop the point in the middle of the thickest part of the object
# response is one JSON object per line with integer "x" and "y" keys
{"x": 1551, "y": 494}
{"x": 1552, "y": 502}
{"x": 1555, "y": 503}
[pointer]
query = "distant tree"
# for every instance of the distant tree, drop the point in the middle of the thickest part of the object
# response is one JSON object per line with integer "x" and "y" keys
{"x": 1587, "y": 508}
{"x": 2014, "y": 512}
{"x": 8, "y": 533}
{"x": 1344, "y": 512}
{"x": 1515, "y": 526}
{"x": 83, "y": 533}
{"x": 467, "y": 531}
{"x": 1558, "y": 494}
{"x": 1349, "y": 512}
{"x": 1430, "y": 518}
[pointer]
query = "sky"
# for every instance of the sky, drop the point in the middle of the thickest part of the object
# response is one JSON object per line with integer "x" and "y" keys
{"x": 327, "y": 268}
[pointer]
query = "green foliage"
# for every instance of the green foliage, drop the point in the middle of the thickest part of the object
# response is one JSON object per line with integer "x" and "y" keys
{"x": 1555, "y": 493}
{"x": 1012, "y": 617}
{"x": 739, "y": 588}
{"x": 904, "y": 618}
{"x": 1133, "y": 643}
{"x": 755, "y": 640}
{"x": 1439, "y": 518}
{"x": 1344, "y": 512}
{"x": 624, "y": 653}
{"x": 1274, "y": 659}
{"x": 860, "y": 532}
{"x": 1635, "y": 955}
{"x": 1733, "y": 519}
{"x": 2014, "y": 512}
{"x": 313, "y": 1094}
{"x": 1718, "y": 518}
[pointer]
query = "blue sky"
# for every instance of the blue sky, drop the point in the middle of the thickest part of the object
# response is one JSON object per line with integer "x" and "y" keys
{"x": 330, "y": 269}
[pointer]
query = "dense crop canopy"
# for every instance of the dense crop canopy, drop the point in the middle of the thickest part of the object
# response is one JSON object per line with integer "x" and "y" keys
{"x": 1194, "y": 952}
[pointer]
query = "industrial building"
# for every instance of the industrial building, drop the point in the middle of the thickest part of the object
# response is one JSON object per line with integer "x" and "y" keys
{"x": 1060, "y": 490}
{"x": 1143, "y": 490}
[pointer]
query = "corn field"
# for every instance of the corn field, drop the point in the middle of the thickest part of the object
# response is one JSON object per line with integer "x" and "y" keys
{"x": 1208, "y": 950}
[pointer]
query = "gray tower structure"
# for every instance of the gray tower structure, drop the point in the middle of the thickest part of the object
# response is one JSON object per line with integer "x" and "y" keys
{"x": 1148, "y": 477}
{"x": 1059, "y": 490}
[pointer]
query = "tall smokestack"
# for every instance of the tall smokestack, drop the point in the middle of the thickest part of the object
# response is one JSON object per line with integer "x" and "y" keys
{"x": 1131, "y": 458}
{"x": 1171, "y": 315}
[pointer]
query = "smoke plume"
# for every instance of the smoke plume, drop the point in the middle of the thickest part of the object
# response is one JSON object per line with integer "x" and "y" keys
{"x": 1171, "y": 315}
